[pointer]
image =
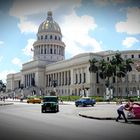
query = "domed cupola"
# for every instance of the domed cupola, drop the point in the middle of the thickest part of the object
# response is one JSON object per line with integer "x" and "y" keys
{"x": 49, "y": 25}
{"x": 49, "y": 46}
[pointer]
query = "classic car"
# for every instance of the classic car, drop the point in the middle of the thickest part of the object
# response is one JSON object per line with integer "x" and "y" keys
{"x": 34, "y": 100}
{"x": 134, "y": 113}
{"x": 85, "y": 101}
{"x": 50, "y": 104}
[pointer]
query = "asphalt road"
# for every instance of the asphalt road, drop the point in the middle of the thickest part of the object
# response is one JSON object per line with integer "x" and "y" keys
{"x": 25, "y": 121}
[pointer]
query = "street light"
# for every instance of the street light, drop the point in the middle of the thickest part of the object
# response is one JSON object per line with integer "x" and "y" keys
{"x": 53, "y": 83}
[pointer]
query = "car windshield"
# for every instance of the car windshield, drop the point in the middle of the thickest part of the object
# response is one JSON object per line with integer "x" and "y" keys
{"x": 50, "y": 99}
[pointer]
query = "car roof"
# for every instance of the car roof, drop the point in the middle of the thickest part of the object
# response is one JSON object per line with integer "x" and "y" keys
{"x": 85, "y": 98}
{"x": 50, "y": 96}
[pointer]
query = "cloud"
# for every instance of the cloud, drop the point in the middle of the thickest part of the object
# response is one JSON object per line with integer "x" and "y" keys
{"x": 16, "y": 61}
{"x": 103, "y": 3}
{"x": 3, "y": 74}
{"x": 28, "y": 12}
{"x": 75, "y": 31}
{"x": 129, "y": 41}
{"x": 1, "y": 42}
{"x": 27, "y": 26}
{"x": 27, "y": 50}
{"x": 132, "y": 23}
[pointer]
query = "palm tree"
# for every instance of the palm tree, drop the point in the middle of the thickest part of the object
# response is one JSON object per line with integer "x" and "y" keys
{"x": 93, "y": 65}
{"x": 102, "y": 68}
{"x": 121, "y": 67}
{"x": 2, "y": 86}
{"x": 93, "y": 68}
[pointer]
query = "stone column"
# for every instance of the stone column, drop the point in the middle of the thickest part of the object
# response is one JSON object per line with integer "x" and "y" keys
{"x": 72, "y": 76}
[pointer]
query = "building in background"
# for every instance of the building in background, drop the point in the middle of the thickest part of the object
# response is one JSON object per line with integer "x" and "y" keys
{"x": 50, "y": 71}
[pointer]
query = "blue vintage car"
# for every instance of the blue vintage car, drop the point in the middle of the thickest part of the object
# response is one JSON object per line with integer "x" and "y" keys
{"x": 85, "y": 101}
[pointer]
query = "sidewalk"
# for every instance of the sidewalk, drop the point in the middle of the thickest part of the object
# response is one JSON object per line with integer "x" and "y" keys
{"x": 107, "y": 112}
{"x": 5, "y": 103}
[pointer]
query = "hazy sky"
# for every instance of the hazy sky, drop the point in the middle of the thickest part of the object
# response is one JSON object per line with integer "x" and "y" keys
{"x": 86, "y": 25}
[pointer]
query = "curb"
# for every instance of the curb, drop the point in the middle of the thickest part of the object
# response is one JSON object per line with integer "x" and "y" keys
{"x": 2, "y": 104}
{"x": 98, "y": 118}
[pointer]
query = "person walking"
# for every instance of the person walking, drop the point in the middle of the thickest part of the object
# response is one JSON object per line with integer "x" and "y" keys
{"x": 120, "y": 111}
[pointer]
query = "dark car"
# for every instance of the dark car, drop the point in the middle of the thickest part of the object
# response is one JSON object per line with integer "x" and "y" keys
{"x": 85, "y": 101}
{"x": 50, "y": 104}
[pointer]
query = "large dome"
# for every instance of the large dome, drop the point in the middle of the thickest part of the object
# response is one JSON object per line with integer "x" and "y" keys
{"x": 49, "y": 25}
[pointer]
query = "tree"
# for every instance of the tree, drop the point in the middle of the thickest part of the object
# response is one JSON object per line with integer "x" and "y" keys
{"x": 93, "y": 65}
{"x": 103, "y": 68}
{"x": 117, "y": 67}
{"x": 2, "y": 86}
{"x": 121, "y": 67}
{"x": 105, "y": 71}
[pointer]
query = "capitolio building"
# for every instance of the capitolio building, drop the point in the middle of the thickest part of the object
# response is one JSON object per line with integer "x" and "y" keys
{"x": 50, "y": 71}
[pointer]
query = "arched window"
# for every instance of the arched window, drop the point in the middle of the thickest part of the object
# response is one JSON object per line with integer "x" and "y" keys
{"x": 55, "y": 37}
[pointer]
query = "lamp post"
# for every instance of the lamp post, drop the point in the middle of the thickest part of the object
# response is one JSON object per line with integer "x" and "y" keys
{"x": 53, "y": 84}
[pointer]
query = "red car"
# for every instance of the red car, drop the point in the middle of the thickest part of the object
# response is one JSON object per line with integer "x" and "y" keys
{"x": 134, "y": 113}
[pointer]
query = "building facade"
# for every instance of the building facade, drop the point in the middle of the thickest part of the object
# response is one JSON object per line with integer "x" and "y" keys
{"x": 50, "y": 71}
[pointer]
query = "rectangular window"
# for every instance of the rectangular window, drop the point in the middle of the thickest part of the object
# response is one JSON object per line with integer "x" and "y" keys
{"x": 132, "y": 56}
{"x": 80, "y": 78}
{"x": 76, "y": 78}
{"x": 84, "y": 78}
{"x": 97, "y": 78}
{"x": 133, "y": 78}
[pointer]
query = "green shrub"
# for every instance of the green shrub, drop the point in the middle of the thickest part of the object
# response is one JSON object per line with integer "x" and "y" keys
{"x": 69, "y": 98}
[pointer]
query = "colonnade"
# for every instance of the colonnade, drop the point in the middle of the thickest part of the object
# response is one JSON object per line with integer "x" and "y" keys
{"x": 61, "y": 78}
{"x": 65, "y": 77}
{"x": 28, "y": 79}
{"x": 49, "y": 49}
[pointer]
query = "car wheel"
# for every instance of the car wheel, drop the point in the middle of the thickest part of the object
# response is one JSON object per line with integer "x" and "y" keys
{"x": 43, "y": 111}
{"x": 57, "y": 109}
{"x": 83, "y": 104}
{"x": 92, "y": 104}
{"x": 76, "y": 105}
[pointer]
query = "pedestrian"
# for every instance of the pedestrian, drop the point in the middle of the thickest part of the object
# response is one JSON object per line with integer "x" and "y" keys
{"x": 120, "y": 111}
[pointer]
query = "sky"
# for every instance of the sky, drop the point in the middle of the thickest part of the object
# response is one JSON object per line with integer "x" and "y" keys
{"x": 86, "y": 26}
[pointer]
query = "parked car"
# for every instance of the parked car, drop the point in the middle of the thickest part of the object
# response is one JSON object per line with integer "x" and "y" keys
{"x": 50, "y": 104}
{"x": 134, "y": 113}
{"x": 34, "y": 100}
{"x": 85, "y": 101}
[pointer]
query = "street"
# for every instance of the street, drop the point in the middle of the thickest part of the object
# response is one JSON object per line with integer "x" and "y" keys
{"x": 25, "y": 121}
